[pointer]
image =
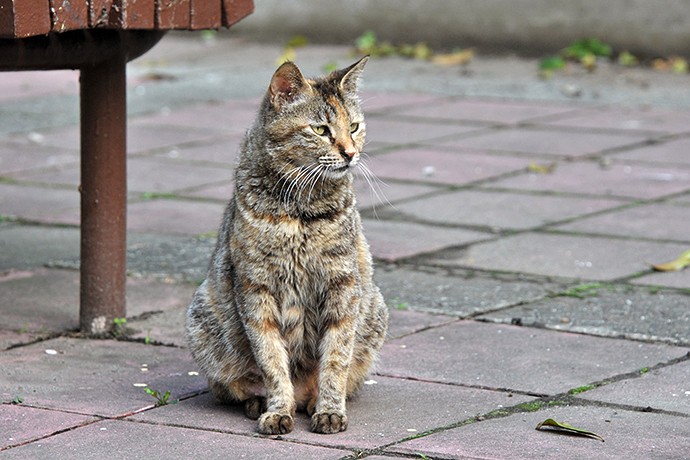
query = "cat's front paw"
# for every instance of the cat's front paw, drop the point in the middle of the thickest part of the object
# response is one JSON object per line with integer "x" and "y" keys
{"x": 328, "y": 422}
{"x": 275, "y": 423}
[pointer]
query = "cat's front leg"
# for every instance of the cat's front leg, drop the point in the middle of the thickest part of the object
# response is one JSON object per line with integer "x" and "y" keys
{"x": 259, "y": 315}
{"x": 336, "y": 354}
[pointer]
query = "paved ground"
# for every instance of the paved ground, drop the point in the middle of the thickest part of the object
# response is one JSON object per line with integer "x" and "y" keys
{"x": 514, "y": 254}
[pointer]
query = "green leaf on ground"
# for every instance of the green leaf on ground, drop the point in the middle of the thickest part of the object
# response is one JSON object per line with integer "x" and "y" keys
{"x": 582, "y": 48}
{"x": 675, "y": 265}
{"x": 551, "y": 424}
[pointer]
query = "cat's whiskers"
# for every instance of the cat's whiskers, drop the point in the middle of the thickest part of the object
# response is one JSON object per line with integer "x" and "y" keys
{"x": 374, "y": 183}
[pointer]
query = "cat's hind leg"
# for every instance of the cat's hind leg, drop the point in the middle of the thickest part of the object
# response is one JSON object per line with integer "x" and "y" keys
{"x": 240, "y": 391}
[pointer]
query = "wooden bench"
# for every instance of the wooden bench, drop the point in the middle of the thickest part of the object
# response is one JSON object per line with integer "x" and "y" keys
{"x": 98, "y": 37}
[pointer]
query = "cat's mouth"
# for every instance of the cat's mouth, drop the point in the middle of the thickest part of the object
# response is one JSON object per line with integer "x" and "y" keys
{"x": 336, "y": 172}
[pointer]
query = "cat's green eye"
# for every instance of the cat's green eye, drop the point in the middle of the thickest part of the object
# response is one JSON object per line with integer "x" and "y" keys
{"x": 354, "y": 127}
{"x": 321, "y": 130}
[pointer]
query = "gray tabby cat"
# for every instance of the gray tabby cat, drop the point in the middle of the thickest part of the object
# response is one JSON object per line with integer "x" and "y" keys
{"x": 288, "y": 317}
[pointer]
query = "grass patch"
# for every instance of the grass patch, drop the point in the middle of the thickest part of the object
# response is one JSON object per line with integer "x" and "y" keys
{"x": 582, "y": 389}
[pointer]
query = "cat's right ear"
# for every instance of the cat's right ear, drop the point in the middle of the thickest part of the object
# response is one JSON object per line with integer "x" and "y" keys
{"x": 287, "y": 85}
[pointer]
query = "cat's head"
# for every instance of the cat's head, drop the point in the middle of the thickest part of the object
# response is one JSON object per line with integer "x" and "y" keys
{"x": 315, "y": 126}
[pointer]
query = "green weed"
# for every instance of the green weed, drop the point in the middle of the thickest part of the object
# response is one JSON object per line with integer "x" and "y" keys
{"x": 162, "y": 399}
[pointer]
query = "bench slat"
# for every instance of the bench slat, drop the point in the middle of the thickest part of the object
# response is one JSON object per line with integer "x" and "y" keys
{"x": 68, "y": 16}
{"x": 25, "y": 18}
{"x": 173, "y": 14}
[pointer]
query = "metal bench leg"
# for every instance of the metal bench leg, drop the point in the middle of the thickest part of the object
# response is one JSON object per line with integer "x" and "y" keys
{"x": 103, "y": 194}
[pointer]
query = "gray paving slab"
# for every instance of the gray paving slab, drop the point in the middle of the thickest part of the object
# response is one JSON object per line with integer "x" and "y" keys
{"x": 222, "y": 153}
{"x": 145, "y": 175}
{"x": 519, "y": 359}
{"x": 20, "y": 424}
{"x": 500, "y": 211}
{"x": 679, "y": 279}
{"x": 455, "y": 295}
{"x": 620, "y": 180}
{"x": 398, "y": 240}
{"x": 545, "y": 142}
{"x": 140, "y": 137}
{"x": 26, "y": 246}
{"x": 40, "y": 204}
{"x": 503, "y": 112}
{"x": 657, "y": 221}
{"x": 118, "y": 439}
{"x": 666, "y": 389}
{"x": 571, "y": 256}
{"x": 385, "y": 410}
{"x": 379, "y": 194}
{"x": 96, "y": 377}
{"x": 627, "y": 434}
{"x": 174, "y": 217}
{"x": 9, "y": 339}
{"x": 378, "y": 102}
{"x": 443, "y": 167}
{"x": 610, "y": 311}
{"x": 47, "y": 300}
{"x": 402, "y": 322}
{"x": 17, "y": 157}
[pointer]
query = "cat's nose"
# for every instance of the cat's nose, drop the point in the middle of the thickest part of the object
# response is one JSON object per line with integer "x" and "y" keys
{"x": 348, "y": 154}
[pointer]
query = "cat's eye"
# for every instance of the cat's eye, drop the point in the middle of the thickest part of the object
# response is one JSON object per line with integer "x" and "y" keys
{"x": 354, "y": 127}
{"x": 321, "y": 130}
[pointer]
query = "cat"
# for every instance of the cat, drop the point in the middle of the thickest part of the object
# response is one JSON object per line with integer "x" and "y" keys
{"x": 289, "y": 317}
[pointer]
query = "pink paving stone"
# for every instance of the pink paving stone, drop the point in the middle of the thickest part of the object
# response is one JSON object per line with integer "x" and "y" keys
{"x": 631, "y": 181}
{"x": 442, "y": 167}
{"x": 674, "y": 152}
{"x": 221, "y": 192}
{"x": 667, "y": 388}
{"x": 385, "y": 410}
{"x": 544, "y": 142}
{"x": 655, "y": 221}
{"x": 501, "y": 210}
{"x": 592, "y": 258}
{"x": 378, "y": 194}
{"x": 26, "y": 157}
{"x": 225, "y": 152}
{"x": 16, "y": 85}
{"x": 627, "y": 119}
{"x": 113, "y": 438}
{"x": 96, "y": 377}
{"x": 407, "y": 132}
{"x": 140, "y": 138}
{"x": 484, "y": 111}
{"x": 515, "y": 358}
{"x": 233, "y": 117}
{"x": 627, "y": 434}
{"x": 174, "y": 217}
{"x": 396, "y": 240}
{"x": 19, "y": 424}
{"x": 385, "y": 102}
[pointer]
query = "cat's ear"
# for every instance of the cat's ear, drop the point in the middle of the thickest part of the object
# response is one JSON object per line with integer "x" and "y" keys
{"x": 287, "y": 85}
{"x": 349, "y": 77}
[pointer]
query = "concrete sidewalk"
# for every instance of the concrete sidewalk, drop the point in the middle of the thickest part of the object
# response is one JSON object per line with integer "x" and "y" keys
{"x": 514, "y": 256}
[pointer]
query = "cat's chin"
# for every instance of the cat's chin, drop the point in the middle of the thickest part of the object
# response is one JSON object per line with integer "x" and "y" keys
{"x": 337, "y": 173}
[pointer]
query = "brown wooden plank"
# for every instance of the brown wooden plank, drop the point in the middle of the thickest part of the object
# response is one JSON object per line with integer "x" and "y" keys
{"x": 132, "y": 14}
{"x": 24, "y": 18}
{"x": 235, "y": 10}
{"x": 205, "y": 14}
{"x": 99, "y": 12}
{"x": 173, "y": 14}
{"x": 69, "y": 15}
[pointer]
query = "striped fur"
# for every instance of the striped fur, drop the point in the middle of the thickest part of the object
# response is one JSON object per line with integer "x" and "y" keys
{"x": 288, "y": 317}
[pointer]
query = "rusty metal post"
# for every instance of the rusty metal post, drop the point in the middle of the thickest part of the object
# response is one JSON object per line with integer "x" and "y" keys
{"x": 103, "y": 194}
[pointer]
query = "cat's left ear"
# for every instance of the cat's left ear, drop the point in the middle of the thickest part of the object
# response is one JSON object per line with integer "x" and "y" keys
{"x": 349, "y": 77}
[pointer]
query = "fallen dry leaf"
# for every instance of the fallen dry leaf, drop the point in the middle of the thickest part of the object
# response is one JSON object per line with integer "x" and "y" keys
{"x": 462, "y": 57}
{"x": 675, "y": 265}
{"x": 551, "y": 424}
